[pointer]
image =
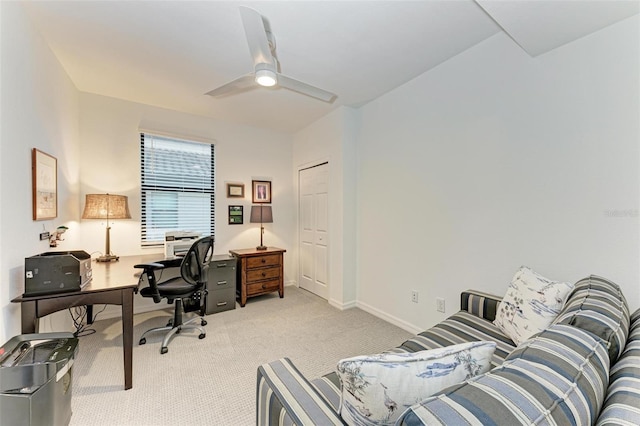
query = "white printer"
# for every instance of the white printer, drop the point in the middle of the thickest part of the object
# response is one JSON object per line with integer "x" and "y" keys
{"x": 177, "y": 243}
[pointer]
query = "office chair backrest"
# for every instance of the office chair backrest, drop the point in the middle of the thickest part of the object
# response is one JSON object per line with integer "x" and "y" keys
{"x": 195, "y": 264}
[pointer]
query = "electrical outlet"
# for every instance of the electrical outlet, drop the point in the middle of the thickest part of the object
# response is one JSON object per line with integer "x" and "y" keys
{"x": 440, "y": 304}
{"x": 414, "y": 296}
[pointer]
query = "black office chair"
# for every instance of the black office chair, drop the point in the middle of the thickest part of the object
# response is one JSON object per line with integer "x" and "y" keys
{"x": 188, "y": 291}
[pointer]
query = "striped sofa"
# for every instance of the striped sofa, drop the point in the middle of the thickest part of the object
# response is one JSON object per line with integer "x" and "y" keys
{"x": 583, "y": 369}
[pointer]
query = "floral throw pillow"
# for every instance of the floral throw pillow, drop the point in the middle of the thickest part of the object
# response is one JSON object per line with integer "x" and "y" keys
{"x": 376, "y": 389}
{"x": 531, "y": 303}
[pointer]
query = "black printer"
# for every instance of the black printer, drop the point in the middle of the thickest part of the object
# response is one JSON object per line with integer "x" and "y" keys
{"x": 56, "y": 272}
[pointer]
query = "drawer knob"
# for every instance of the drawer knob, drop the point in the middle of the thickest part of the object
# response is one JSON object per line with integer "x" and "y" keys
{"x": 221, "y": 303}
{"x": 264, "y": 286}
{"x": 263, "y": 260}
{"x": 264, "y": 275}
{"x": 222, "y": 282}
{"x": 221, "y": 265}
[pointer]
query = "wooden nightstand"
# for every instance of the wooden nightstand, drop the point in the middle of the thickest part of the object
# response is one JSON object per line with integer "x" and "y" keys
{"x": 259, "y": 272}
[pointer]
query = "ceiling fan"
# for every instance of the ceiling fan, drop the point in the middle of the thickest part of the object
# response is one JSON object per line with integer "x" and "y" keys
{"x": 262, "y": 45}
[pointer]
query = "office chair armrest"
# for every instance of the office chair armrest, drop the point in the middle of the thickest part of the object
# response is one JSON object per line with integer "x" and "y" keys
{"x": 150, "y": 266}
{"x": 148, "y": 272}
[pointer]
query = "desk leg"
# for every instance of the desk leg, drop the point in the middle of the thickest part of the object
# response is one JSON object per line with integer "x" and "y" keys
{"x": 127, "y": 336}
{"x": 28, "y": 317}
{"x": 89, "y": 314}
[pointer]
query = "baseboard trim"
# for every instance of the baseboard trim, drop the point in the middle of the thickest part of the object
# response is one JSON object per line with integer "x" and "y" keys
{"x": 342, "y": 306}
{"x": 411, "y": 328}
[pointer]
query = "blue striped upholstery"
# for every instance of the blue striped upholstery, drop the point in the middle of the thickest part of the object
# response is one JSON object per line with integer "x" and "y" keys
{"x": 285, "y": 397}
{"x": 598, "y": 305}
{"x": 459, "y": 328}
{"x": 558, "y": 377}
{"x": 482, "y": 305}
{"x": 622, "y": 406}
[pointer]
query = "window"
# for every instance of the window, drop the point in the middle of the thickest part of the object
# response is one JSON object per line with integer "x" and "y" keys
{"x": 177, "y": 187}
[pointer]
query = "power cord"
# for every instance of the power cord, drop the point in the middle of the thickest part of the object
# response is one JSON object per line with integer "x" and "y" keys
{"x": 78, "y": 316}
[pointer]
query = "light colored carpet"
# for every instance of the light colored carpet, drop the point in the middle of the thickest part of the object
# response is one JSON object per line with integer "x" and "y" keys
{"x": 212, "y": 381}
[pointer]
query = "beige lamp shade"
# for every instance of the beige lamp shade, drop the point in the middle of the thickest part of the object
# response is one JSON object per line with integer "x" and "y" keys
{"x": 106, "y": 206}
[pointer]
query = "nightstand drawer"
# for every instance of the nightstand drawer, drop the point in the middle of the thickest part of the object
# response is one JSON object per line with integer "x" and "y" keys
{"x": 262, "y": 261}
{"x": 263, "y": 287}
{"x": 262, "y": 274}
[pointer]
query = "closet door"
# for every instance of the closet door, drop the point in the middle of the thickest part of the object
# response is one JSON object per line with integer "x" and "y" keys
{"x": 313, "y": 210}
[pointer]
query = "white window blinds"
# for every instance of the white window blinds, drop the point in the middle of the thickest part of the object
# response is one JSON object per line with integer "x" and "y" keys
{"x": 177, "y": 187}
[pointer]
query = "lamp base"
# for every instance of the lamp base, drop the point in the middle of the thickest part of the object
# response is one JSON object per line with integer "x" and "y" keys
{"x": 261, "y": 248}
{"x": 107, "y": 258}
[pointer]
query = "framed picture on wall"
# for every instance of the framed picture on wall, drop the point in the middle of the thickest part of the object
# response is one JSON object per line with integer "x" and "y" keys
{"x": 235, "y": 215}
{"x": 261, "y": 191}
{"x": 44, "y": 185}
{"x": 235, "y": 190}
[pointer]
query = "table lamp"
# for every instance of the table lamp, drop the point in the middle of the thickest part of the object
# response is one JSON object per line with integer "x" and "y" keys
{"x": 106, "y": 206}
{"x": 261, "y": 214}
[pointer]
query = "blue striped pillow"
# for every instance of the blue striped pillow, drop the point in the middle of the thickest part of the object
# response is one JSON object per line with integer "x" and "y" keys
{"x": 558, "y": 377}
{"x": 598, "y": 306}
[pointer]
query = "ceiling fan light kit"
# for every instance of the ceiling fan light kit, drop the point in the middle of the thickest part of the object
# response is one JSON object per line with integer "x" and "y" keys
{"x": 266, "y": 78}
{"x": 262, "y": 45}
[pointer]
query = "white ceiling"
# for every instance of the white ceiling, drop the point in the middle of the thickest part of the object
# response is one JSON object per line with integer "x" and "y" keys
{"x": 169, "y": 53}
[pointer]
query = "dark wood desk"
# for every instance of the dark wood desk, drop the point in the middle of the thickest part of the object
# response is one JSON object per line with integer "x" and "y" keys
{"x": 113, "y": 283}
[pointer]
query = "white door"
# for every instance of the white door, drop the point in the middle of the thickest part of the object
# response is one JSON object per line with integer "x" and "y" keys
{"x": 313, "y": 206}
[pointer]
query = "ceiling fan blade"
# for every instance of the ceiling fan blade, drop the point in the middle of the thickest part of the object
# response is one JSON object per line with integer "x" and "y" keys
{"x": 305, "y": 89}
{"x": 254, "y": 28}
{"x": 241, "y": 84}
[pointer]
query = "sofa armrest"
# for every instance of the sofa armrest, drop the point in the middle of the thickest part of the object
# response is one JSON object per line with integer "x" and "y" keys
{"x": 483, "y": 305}
{"x": 285, "y": 396}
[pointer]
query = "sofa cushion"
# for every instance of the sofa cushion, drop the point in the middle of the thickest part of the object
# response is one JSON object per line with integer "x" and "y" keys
{"x": 531, "y": 303}
{"x": 557, "y": 377}
{"x": 598, "y": 306}
{"x": 376, "y": 389}
{"x": 461, "y": 327}
{"x": 622, "y": 406}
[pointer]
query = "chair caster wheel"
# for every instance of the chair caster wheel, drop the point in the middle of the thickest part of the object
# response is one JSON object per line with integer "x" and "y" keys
{"x": 202, "y": 336}
{"x": 142, "y": 341}
{"x": 203, "y": 323}
{"x": 164, "y": 350}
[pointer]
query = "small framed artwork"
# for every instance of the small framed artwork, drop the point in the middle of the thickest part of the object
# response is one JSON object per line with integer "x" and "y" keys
{"x": 44, "y": 185}
{"x": 261, "y": 191}
{"x": 235, "y": 215}
{"x": 235, "y": 190}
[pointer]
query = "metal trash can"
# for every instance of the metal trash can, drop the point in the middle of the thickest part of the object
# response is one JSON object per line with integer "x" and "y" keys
{"x": 35, "y": 379}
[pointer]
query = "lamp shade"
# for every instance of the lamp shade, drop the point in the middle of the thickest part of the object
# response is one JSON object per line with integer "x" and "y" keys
{"x": 261, "y": 214}
{"x": 106, "y": 206}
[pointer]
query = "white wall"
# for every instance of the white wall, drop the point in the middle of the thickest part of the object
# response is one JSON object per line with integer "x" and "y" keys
{"x": 332, "y": 139}
{"x": 495, "y": 160}
{"x": 110, "y": 152}
{"x": 39, "y": 110}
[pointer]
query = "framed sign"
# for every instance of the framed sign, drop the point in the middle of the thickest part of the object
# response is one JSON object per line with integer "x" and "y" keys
{"x": 44, "y": 185}
{"x": 261, "y": 191}
{"x": 235, "y": 190}
{"x": 235, "y": 215}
